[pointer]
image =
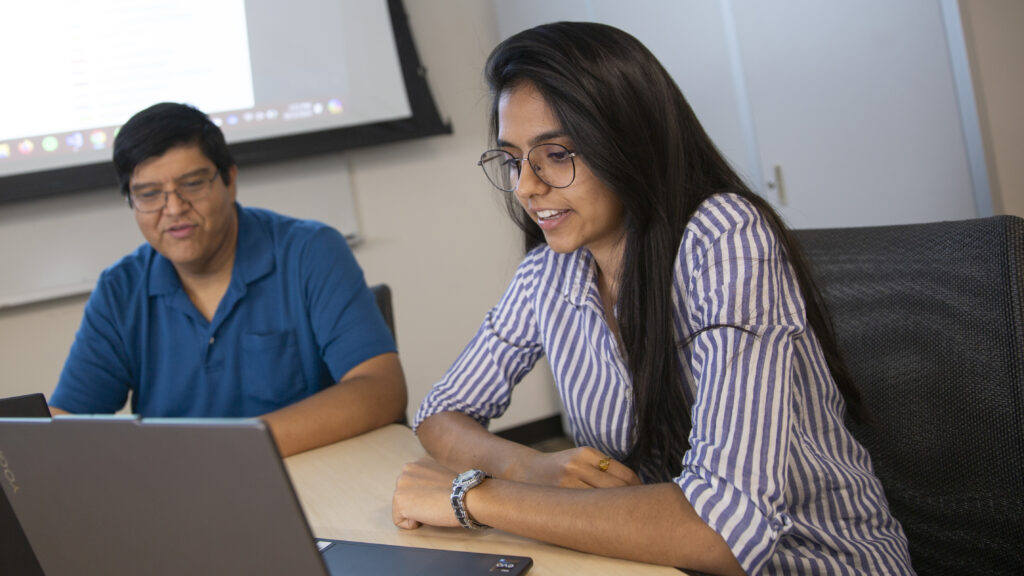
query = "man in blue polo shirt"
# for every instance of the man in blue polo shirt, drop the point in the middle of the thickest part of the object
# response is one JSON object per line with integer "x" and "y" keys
{"x": 228, "y": 311}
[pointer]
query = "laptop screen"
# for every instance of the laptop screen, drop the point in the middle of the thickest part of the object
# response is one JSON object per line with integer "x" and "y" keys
{"x": 27, "y": 406}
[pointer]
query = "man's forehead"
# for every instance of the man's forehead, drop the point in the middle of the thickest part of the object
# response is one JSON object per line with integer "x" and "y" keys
{"x": 174, "y": 163}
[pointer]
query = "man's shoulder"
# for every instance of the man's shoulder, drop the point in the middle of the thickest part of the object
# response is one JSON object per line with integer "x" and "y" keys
{"x": 125, "y": 283}
{"x": 131, "y": 270}
{"x": 286, "y": 231}
{"x": 276, "y": 220}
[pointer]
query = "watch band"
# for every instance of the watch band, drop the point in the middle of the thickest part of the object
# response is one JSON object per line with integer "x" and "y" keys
{"x": 460, "y": 486}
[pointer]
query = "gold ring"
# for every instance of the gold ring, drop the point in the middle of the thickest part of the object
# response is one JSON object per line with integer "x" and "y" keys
{"x": 603, "y": 464}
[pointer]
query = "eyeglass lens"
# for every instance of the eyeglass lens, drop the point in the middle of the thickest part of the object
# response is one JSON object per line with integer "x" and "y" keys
{"x": 154, "y": 199}
{"x": 552, "y": 163}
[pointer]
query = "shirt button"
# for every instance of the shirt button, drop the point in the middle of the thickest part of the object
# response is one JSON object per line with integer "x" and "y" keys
{"x": 781, "y": 523}
{"x": 211, "y": 339}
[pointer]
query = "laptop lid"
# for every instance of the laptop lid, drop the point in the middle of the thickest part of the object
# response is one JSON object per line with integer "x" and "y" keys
{"x": 118, "y": 495}
{"x": 112, "y": 495}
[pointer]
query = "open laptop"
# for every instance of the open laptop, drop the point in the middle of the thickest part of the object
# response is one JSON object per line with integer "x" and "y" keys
{"x": 16, "y": 555}
{"x": 27, "y": 406}
{"x": 120, "y": 495}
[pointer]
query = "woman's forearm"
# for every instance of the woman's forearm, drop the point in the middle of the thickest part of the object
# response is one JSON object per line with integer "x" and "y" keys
{"x": 653, "y": 523}
{"x": 459, "y": 442}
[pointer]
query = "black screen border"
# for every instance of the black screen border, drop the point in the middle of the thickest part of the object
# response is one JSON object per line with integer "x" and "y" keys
{"x": 424, "y": 122}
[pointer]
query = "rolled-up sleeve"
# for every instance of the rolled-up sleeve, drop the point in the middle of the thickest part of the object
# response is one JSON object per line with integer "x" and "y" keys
{"x": 743, "y": 303}
{"x": 503, "y": 351}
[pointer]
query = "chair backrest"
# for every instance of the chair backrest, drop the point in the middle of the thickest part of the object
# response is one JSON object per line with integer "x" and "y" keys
{"x": 928, "y": 318}
{"x": 382, "y": 293}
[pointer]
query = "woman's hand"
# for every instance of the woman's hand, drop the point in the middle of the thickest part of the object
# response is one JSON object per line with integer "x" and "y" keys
{"x": 423, "y": 495}
{"x": 576, "y": 468}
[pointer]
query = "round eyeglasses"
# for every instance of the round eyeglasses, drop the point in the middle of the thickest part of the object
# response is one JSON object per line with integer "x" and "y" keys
{"x": 552, "y": 163}
{"x": 149, "y": 199}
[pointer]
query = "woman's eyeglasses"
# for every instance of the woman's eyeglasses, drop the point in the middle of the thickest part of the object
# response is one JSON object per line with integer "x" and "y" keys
{"x": 552, "y": 163}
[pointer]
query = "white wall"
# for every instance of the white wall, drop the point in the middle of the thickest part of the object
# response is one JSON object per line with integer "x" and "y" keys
{"x": 849, "y": 106}
{"x": 433, "y": 228}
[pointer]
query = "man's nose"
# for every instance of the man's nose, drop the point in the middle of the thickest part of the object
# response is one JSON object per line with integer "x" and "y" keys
{"x": 175, "y": 203}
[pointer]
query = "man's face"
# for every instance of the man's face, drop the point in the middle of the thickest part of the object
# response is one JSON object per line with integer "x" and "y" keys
{"x": 197, "y": 236}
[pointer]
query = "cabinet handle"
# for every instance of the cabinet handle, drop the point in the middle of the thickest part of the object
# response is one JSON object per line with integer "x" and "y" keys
{"x": 779, "y": 186}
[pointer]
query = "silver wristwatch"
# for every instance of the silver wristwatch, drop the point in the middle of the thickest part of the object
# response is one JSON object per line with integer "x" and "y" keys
{"x": 462, "y": 483}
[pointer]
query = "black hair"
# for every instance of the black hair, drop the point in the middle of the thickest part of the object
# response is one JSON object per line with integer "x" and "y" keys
{"x": 157, "y": 129}
{"x": 636, "y": 132}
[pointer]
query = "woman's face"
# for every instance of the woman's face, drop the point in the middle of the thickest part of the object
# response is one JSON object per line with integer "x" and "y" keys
{"x": 584, "y": 214}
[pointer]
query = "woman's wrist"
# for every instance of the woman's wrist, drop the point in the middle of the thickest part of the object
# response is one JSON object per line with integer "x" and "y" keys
{"x": 475, "y": 501}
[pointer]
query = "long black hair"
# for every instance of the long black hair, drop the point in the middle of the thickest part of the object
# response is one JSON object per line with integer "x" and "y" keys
{"x": 632, "y": 126}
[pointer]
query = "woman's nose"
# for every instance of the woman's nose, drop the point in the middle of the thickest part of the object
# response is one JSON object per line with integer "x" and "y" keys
{"x": 529, "y": 183}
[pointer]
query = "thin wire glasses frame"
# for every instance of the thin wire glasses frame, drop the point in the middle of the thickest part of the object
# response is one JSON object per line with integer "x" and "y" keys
{"x": 553, "y": 164}
{"x": 152, "y": 200}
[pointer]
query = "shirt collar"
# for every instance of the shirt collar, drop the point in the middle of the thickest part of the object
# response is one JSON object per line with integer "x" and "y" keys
{"x": 254, "y": 257}
{"x": 578, "y": 278}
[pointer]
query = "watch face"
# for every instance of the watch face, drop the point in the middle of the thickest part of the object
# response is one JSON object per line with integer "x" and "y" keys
{"x": 469, "y": 477}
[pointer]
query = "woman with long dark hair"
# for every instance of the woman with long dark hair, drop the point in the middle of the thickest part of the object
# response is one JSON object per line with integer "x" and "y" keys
{"x": 693, "y": 355}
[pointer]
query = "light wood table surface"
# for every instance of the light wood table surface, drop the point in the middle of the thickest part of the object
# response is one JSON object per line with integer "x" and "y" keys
{"x": 346, "y": 488}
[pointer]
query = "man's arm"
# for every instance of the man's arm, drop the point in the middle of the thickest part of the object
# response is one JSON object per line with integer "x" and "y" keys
{"x": 370, "y": 395}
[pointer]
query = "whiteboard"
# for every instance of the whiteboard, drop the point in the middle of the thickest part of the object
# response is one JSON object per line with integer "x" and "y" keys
{"x": 58, "y": 247}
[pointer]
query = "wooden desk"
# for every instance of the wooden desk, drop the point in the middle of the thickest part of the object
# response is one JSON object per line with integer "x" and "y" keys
{"x": 345, "y": 490}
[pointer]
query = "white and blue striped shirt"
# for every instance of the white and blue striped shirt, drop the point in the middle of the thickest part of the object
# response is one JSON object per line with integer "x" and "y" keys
{"x": 771, "y": 467}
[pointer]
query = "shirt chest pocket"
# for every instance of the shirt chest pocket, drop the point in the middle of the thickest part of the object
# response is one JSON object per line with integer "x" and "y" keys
{"x": 272, "y": 368}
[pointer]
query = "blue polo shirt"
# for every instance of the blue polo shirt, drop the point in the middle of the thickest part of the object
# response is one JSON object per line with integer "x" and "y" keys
{"x": 296, "y": 317}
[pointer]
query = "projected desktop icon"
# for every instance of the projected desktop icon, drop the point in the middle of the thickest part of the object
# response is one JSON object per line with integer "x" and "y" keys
{"x": 334, "y": 106}
{"x": 75, "y": 141}
{"x": 98, "y": 139}
{"x": 50, "y": 143}
{"x": 26, "y": 147}
{"x": 5, "y": 150}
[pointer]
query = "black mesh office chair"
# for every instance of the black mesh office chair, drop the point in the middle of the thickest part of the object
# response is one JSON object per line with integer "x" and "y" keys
{"x": 930, "y": 321}
{"x": 382, "y": 294}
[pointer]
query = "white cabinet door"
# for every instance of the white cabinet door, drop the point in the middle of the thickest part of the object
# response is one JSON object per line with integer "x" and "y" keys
{"x": 855, "y": 103}
{"x": 853, "y": 100}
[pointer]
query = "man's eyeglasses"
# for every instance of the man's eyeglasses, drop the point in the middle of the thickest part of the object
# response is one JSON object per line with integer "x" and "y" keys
{"x": 151, "y": 199}
{"x": 552, "y": 163}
